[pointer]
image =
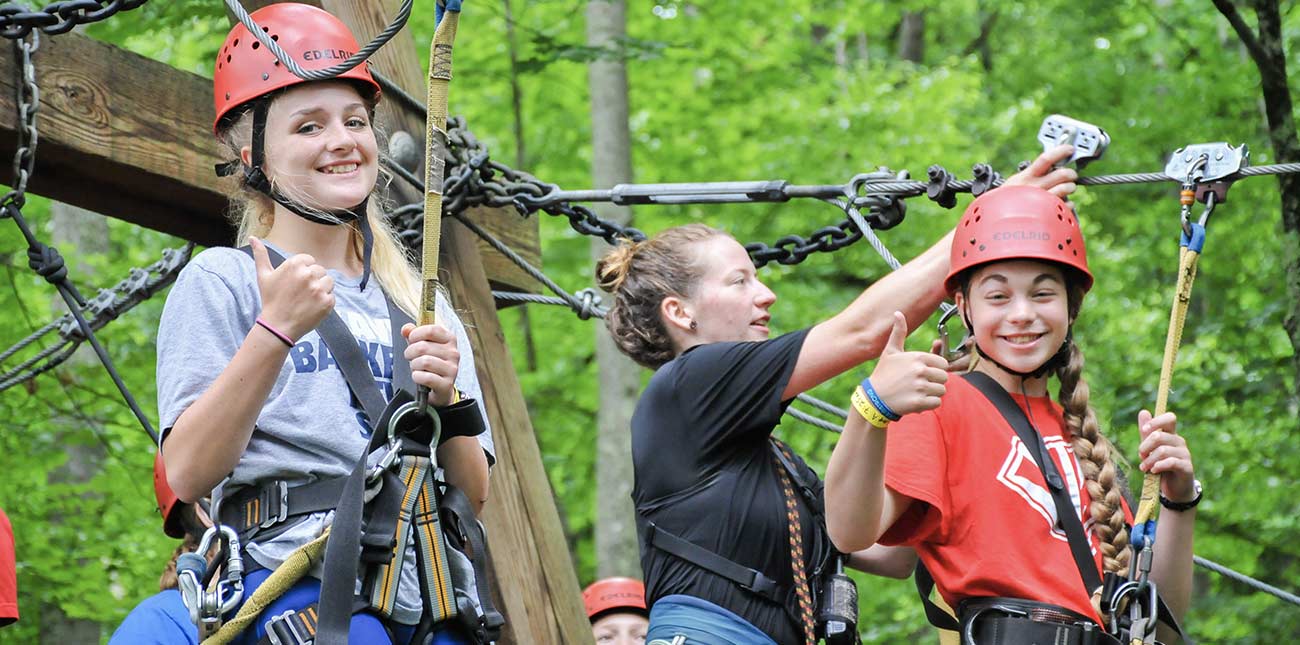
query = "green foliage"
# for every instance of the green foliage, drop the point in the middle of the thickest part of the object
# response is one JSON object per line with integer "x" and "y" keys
{"x": 810, "y": 92}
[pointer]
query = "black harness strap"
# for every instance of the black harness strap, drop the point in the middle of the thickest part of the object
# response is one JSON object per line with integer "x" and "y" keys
{"x": 343, "y": 549}
{"x": 459, "y": 516}
{"x": 1067, "y": 516}
{"x": 747, "y": 578}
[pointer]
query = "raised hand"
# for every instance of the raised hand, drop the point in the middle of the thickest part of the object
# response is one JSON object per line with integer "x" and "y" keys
{"x": 1164, "y": 452}
{"x": 1058, "y": 181}
{"x": 435, "y": 360}
{"x": 908, "y": 381}
{"x": 297, "y": 295}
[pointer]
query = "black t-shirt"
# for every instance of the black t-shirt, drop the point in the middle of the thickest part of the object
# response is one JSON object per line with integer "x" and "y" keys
{"x": 705, "y": 472}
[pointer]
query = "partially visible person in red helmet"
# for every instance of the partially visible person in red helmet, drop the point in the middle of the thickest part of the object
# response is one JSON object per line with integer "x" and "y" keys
{"x": 163, "y": 619}
{"x": 253, "y": 400}
{"x": 958, "y": 483}
{"x": 617, "y": 611}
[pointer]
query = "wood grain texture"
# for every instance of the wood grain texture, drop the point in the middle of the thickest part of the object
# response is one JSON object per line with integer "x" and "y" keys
{"x": 129, "y": 137}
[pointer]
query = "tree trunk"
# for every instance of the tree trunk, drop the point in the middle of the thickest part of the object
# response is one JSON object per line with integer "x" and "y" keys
{"x": 911, "y": 37}
{"x": 1268, "y": 51}
{"x": 521, "y": 162}
{"x": 76, "y": 232}
{"x": 616, "y": 545}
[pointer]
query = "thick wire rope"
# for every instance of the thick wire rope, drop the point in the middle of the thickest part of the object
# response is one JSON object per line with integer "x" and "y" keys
{"x": 268, "y": 40}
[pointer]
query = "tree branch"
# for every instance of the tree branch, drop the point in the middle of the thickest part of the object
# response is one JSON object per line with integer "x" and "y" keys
{"x": 1244, "y": 32}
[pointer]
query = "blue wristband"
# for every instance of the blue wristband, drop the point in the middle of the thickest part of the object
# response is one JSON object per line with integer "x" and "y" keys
{"x": 876, "y": 401}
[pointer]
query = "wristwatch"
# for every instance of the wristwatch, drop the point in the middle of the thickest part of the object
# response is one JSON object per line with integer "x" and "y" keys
{"x": 1183, "y": 506}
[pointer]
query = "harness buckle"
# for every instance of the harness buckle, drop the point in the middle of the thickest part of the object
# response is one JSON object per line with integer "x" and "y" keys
{"x": 283, "y": 630}
{"x": 761, "y": 585}
{"x": 277, "y": 506}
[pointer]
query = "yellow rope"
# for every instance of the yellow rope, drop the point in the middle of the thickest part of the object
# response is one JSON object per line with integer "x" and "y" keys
{"x": 1182, "y": 296}
{"x": 285, "y": 576}
{"x": 435, "y": 147}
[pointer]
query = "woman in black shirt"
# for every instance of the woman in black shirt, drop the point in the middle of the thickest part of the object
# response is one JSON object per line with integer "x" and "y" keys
{"x": 729, "y": 519}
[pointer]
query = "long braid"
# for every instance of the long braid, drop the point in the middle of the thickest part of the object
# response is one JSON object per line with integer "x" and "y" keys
{"x": 1094, "y": 452}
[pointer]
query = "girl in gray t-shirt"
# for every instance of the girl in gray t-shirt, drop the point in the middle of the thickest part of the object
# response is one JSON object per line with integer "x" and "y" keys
{"x": 248, "y": 391}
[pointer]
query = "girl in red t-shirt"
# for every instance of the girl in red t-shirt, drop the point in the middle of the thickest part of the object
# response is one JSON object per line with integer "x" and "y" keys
{"x": 959, "y": 485}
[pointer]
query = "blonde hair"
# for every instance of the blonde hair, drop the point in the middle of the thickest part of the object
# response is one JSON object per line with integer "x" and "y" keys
{"x": 640, "y": 275}
{"x": 253, "y": 213}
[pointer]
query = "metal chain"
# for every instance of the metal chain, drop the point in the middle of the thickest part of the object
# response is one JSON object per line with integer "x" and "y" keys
{"x": 16, "y": 20}
{"x": 28, "y": 95}
{"x": 42, "y": 258}
{"x": 269, "y": 41}
{"x": 139, "y": 286}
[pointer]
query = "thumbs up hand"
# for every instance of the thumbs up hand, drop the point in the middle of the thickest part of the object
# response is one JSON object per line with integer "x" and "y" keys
{"x": 297, "y": 295}
{"x": 908, "y": 381}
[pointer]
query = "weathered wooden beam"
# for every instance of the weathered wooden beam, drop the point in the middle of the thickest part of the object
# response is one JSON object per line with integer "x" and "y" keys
{"x": 127, "y": 137}
{"x": 534, "y": 576}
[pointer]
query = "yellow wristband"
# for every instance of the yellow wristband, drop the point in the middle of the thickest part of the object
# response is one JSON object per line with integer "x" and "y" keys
{"x": 868, "y": 411}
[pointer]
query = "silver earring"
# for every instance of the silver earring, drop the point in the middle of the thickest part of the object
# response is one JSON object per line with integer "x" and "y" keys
{"x": 693, "y": 325}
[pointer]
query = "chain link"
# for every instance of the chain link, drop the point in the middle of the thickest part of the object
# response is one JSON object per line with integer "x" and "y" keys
{"x": 28, "y": 96}
{"x": 16, "y": 20}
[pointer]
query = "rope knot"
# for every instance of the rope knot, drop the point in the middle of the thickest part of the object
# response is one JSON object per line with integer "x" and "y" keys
{"x": 46, "y": 261}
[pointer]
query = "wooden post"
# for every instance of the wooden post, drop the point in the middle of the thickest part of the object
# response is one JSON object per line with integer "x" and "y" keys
{"x": 129, "y": 137}
{"x": 534, "y": 575}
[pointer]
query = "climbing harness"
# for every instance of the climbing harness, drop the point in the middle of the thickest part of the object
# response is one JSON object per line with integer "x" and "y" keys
{"x": 450, "y": 545}
{"x": 1008, "y": 621}
{"x": 835, "y": 594}
{"x": 474, "y": 179}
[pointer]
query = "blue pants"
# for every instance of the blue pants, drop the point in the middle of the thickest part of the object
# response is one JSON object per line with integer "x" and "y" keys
{"x": 366, "y": 627}
{"x": 701, "y": 622}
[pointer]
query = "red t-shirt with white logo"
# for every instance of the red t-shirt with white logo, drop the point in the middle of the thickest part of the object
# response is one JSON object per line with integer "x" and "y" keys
{"x": 8, "y": 573}
{"x": 983, "y": 520}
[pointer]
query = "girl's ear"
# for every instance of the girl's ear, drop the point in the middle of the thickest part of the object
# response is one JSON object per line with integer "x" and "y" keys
{"x": 246, "y": 155}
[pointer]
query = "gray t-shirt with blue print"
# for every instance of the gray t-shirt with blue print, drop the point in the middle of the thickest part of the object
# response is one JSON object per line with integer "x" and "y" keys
{"x": 310, "y": 428}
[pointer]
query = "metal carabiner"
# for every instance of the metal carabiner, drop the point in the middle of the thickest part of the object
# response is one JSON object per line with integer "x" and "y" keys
{"x": 399, "y": 420}
{"x": 207, "y": 607}
{"x": 949, "y": 354}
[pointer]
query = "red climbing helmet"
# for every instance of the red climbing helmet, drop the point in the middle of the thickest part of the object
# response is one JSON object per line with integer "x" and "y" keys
{"x": 168, "y": 504}
{"x": 313, "y": 37}
{"x": 609, "y": 594}
{"x": 1018, "y": 222}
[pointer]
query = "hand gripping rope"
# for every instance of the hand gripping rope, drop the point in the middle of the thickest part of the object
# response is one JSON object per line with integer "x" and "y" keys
{"x": 1206, "y": 171}
{"x": 448, "y": 16}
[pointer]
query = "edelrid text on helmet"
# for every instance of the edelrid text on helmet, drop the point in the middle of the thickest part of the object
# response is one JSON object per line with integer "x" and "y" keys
{"x": 1018, "y": 223}
{"x": 313, "y": 37}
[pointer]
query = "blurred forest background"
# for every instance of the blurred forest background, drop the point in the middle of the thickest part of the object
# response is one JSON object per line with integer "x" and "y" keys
{"x": 812, "y": 92}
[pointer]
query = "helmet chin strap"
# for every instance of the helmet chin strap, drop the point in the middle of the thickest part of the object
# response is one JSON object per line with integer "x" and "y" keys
{"x": 256, "y": 178}
{"x": 1057, "y": 360}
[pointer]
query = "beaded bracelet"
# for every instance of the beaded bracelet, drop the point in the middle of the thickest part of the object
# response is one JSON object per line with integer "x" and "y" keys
{"x": 868, "y": 411}
{"x": 878, "y": 402}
